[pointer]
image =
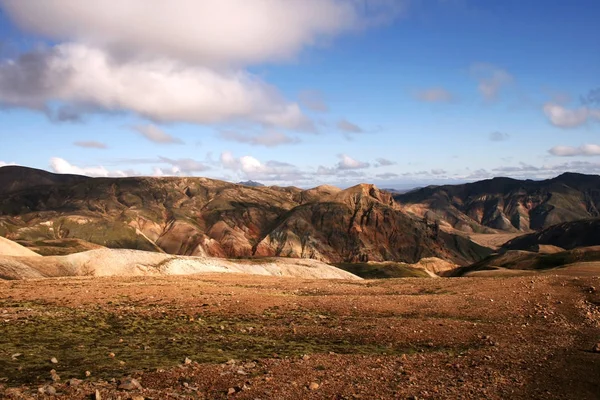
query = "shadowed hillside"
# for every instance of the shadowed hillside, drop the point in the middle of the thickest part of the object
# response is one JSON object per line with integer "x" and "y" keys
{"x": 569, "y": 235}
{"x": 506, "y": 204}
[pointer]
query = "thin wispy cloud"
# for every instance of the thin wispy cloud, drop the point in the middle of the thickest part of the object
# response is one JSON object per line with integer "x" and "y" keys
{"x": 569, "y": 151}
{"x": 384, "y": 162}
{"x": 499, "y": 136}
{"x": 91, "y": 144}
{"x": 267, "y": 138}
{"x": 491, "y": 80}
{"x": 154, "y": 134}
{"x": 434, "y": 95}
{"x": 349, "y": 127}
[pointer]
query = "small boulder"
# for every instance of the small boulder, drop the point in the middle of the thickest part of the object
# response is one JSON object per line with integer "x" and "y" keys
{"x": 314, "y": 386}
{"x": 596, "y": 348}
{"x": 53, "y": 360}
{"x": 48, "y": 389}
{"x": 74, "y": 382}
{"x": 129, "y": 384}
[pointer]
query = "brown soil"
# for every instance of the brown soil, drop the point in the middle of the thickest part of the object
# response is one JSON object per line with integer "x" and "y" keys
{"x": 463, "y": 338}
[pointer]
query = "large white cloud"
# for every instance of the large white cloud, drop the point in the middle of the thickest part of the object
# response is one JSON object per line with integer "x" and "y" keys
{"x": 570, "y": 118}
{"x": 209, "y": 32}
{"x": 172, "y": 61}
{"x": 160, "y": 90}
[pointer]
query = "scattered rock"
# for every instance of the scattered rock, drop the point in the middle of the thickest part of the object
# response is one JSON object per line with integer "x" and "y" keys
{"x": 16, "y": 355}
{"x": 187, "y": 361}
{"x": 97, "y": 395}
{"x": 250, "y": 365}
{"x": 53, "y": 360}
{"x": 129, "y": 384}
{"x": 74, "y": 382}
{"x": 48, "y": 389}
{"x": 231, "y": 391}
{"x": 231, "y": 362}
{"x": 306, "y": 357}
{"x": 55, "y": 377}
{"x": 138, "y": 398}
{"x": 314, "y": 386}
{"x": 596, "y": 348}
{"x": 88, "y": 373}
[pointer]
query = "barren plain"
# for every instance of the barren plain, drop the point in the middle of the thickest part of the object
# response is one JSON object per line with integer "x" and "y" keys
{"x": 256, "y": 337}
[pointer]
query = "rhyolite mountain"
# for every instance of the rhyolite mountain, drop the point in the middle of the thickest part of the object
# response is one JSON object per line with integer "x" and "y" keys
{"x": 205, "y": 217}
{"x": 504, "y": 204}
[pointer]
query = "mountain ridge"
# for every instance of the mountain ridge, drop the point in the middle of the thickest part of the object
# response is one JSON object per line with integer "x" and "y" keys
{"x": 205, "y": 217}
{"x": 506, "y": 204}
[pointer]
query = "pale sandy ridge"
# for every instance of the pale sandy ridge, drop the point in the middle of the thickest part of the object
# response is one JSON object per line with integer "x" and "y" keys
{"x": 111, "y": 262}
{"x": 10, "y": 248}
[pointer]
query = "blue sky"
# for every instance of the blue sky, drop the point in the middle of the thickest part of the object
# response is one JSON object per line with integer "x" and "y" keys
{"x": 290, "y": 92}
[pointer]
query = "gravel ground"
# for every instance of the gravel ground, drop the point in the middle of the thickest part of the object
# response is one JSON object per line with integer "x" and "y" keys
{"x": 252, "y": 337}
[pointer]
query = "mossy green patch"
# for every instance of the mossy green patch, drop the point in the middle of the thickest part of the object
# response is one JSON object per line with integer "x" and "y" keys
{"x": 119, "y": 340}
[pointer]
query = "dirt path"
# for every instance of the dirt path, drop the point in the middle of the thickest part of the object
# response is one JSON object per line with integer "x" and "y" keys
{"x": 495, "y": 338}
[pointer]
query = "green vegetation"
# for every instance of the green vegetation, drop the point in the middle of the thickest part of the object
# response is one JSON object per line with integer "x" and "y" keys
{"x": 382, "y": 270}
{"x": 149, "y": 338}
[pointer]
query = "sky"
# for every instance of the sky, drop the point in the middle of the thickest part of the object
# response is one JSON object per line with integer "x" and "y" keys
{"x": 399, "y": 93}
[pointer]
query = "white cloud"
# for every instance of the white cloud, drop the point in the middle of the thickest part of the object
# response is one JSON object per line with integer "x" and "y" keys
{"x": 569, "y": 151}
{"x": 438, "y": 172}
{"x": 62, "y": 166}
{"x": 6, "y": 164}
{"x": 491, "y": 79}
{"x": 224, "y": 32}
{"x": 91, "y": 144}
{"x": 251, "y": 168}
{"x": 160, "y": 89}
{"x": 434, "y": 95}
{"x": 154, "y": 134}
{"x": 349, "y": 127}
{"x": 166, "y": 62}
{"x": 570, "y": 118}
{"x": 348, "y": 162}
{"x": 268, "y": 138}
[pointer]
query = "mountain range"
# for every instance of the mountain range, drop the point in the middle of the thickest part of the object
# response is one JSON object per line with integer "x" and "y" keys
{"x": 62, "y": 214}
{"x": 508, "y": 205}
{"x": 205, "y": 217}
